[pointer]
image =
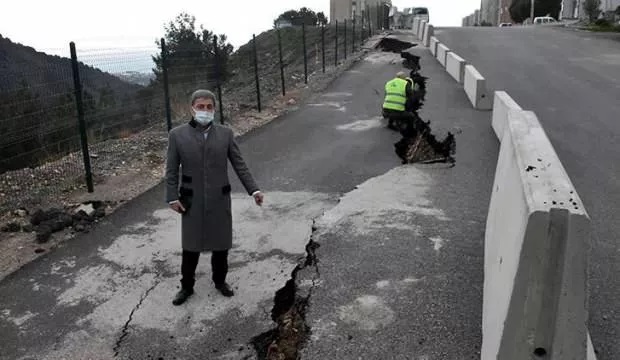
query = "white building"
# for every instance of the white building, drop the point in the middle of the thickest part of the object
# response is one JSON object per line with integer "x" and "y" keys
{"x": 339, "y": 10}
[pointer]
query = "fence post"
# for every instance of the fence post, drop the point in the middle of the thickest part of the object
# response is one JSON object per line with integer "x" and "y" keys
{"x": 281, "y": 63}
{"x": 164, "y": 65}
{"x": 353, "y": 36}
{"x": 368, "y": 13}
{"x": 323, "y": 45}
{"x": 256, "y": 73}
{"x": 362, "y": 29}
{"x": 336, "y": 52}
{"x": 303, "y": 33}
{"x": 345, "y": 39}
{"x": 218, "y": 75}
{"x": 77, "y": 84}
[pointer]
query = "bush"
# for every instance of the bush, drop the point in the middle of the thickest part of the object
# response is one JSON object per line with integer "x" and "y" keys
{"x": 603, "y": 23}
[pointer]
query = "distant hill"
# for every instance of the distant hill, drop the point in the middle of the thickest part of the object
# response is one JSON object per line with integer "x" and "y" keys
{"x": 49, "y": 74}
{"x": 37, "y": 105}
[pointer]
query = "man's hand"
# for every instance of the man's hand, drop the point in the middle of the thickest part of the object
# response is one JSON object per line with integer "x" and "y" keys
{"x": 177, "y": 206}
{"x": 258, "y": 198}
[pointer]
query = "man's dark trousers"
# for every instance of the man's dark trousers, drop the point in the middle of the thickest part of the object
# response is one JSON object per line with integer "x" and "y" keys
{"x": 219, "y": 267}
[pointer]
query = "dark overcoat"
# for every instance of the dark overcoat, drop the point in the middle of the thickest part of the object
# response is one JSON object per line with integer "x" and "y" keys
{"x": 197, "y": 175}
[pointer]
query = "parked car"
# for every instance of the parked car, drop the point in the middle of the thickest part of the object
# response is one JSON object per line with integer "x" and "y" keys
{"x": 421, "y": 13}
{"x": 505, "y": 24}
{"x": 544, "y": 20}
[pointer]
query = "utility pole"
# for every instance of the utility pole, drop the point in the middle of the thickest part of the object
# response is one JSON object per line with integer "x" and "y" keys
{"x": 532, "y": 12}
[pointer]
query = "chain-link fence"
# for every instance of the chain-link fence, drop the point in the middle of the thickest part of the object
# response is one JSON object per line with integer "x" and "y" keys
{"x": 66, "y": 124}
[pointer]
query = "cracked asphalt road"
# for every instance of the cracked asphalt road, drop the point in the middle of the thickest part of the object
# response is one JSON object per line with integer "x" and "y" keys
{"x": 110, "y": 291}
{"x": 401, "y": 257}
{"x": 75, "y": 302}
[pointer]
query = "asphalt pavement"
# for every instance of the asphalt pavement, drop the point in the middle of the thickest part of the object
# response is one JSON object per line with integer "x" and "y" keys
{"x": 571, "y": 80}
{"x": 407, "y": 243}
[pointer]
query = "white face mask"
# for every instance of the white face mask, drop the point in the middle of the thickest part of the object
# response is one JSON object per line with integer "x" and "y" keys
{"x": 204, "y": 117}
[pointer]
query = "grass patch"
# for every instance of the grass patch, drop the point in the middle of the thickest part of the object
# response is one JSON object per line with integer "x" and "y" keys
{"x": 608, "y": 28}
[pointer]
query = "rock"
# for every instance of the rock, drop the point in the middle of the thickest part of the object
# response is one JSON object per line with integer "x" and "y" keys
{"x": 38, "y": 217}
{"x": 100, "y": 212}
{"x": 87, "y": 209}
{"x": 12, "y": 227}
{"x": 41, "y": 216}
{"x": 292, "y": 102}
{"x": 39, "y": 250}
{"x": 43, "y": 234}
{"x": 21, "y": 212}
{"x": 67, "y": 220}
{"x": 79, "y": 228}
{"x": 56, "y": 225}
{"x": 27, "y": 228}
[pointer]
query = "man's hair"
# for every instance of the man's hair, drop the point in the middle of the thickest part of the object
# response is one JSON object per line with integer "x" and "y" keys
{"x": 401, "y": 74}
{"x": 202, "y": 94}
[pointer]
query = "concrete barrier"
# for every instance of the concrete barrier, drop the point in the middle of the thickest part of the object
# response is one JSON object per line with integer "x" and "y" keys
{"x": 429, "y": 30}
{"x": 414, "y": 27}
{"x": 455, "y": 65}
{"x": 536, "y": 245}
{"x": 502, "y": 105}
{"x": 421, "y": 27}
{"x": 442, "y": 53}
{"x": 476, "y": 88}
{"x": 433, "y": 47}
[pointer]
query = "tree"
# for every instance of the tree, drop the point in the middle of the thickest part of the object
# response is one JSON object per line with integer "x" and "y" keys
{"x": 322, "y": 19}
{"x": 618, "y": 10}
{"x": 191, "y": 56}
{"x": 300, "y": 17}
{"x": 520, "y": 9}
{"x": 592, "y": 8}
{"x": 106, "y": 97}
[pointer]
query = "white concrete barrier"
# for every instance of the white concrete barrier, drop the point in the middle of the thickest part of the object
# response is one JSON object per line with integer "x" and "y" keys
{"x": 421, "y": 27}
{"x": 414, "y": 27}
{"x": 429, "y": 30}
{"x": 476, "y": 89}
{"x": 434, "y": 43}
{"x": 442, "y": 52}
{"x": 536, "y": 245}
{"x": 455, "y": 66}
{"x": 502, "y": 104}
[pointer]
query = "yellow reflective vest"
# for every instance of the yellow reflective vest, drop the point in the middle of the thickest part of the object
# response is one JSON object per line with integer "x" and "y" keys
{"x": 395, "y": 94}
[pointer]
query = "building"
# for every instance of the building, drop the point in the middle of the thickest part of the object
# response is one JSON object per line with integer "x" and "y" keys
{"x": 494, "y": 12}
{"x": 609, "y": 5}
{"x": 573, "y": 9}
{"x": 489, "y": 11}
{"x": 283, "y": 23}
{"x": 504, "y": 12}
{"x": 570, "y": 10}
{"x": 339, "y": 10}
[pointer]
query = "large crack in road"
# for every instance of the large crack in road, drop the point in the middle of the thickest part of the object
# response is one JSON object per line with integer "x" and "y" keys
{"x": 125, "y": 329}
{"x": 289, "y": 310}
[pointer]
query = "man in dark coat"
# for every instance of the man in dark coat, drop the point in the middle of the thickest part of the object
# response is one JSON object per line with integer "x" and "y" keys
{"x": 202, "y": 149}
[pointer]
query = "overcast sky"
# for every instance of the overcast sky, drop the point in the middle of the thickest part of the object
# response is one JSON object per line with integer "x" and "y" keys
{"x": 47, "y": 25}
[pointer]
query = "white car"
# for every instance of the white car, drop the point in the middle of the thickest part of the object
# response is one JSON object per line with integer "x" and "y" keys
{"x": 544, "y": 20}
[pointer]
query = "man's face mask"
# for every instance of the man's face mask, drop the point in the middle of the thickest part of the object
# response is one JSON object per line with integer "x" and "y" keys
{"x": 204, "y": 117}
{"x": 204, "y": 113}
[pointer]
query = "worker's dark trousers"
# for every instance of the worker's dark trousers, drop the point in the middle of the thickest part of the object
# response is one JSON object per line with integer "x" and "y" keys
{"x": 219, "y": 267}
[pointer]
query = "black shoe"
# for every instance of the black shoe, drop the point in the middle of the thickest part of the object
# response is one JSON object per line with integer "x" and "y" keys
{"x": 182, "y": 296}
{"x": 225, "y": 289}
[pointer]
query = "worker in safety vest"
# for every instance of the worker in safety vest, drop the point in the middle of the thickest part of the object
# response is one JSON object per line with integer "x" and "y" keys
{"x": 397, "y": 93}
